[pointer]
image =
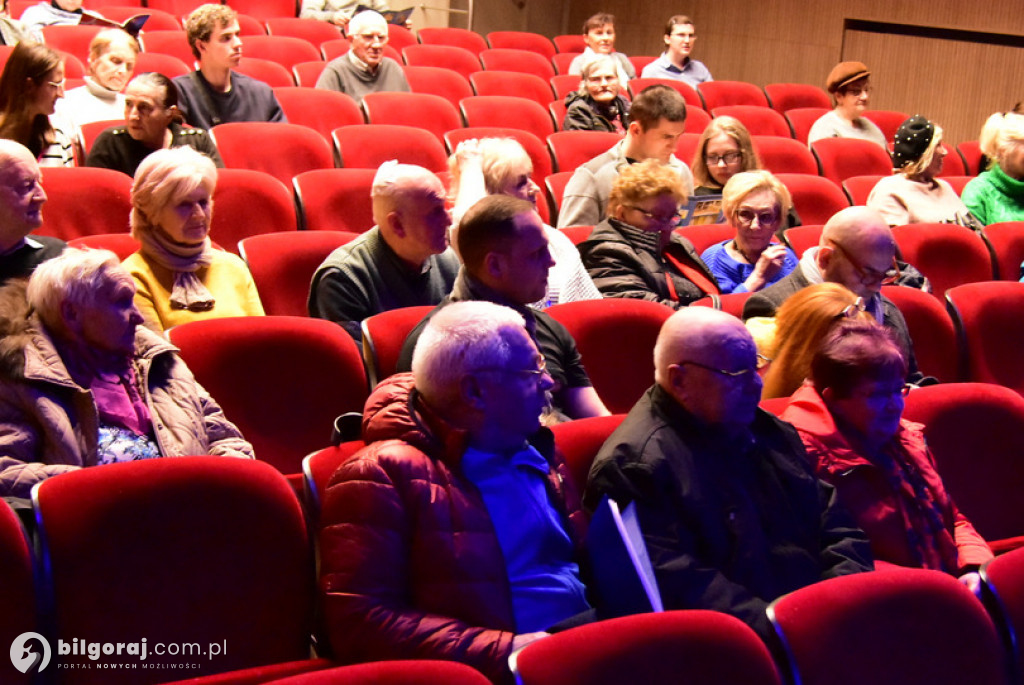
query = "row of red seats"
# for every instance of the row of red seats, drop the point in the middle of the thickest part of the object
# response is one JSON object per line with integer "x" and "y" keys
{"x": 365, "y": 146}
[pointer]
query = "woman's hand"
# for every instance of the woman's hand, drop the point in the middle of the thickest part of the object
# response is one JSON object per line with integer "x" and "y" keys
{"x": 768, "y": 264}
{"x": 468, "y": 153}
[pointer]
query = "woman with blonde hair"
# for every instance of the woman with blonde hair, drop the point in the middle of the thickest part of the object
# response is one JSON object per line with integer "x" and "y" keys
{"x": 597, "y": 105}
{"x": 634, "y": 253}
{"x": 32, "y": 82}
{"x": 998, "y": 194}
{"x": 180, "y": 276}
{"x": 802, "y": 322}
{"x": 111, "y": 63}
{"x": 500, "y": 166}
{"x": 754, "y": 203}
{"x": 914, "y": 194}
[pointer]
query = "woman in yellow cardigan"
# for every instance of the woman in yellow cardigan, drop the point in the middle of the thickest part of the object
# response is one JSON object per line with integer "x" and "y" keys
{"x": 179, "y": 276}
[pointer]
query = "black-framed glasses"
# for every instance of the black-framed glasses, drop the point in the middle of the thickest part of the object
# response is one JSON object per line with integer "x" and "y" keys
{"x": 866, "y": 273}
{"x": 728, "y": 158}
{"x": 741, "y": 374}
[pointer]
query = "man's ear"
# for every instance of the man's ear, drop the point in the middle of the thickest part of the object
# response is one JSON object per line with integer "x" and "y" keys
{"x": 824, "y": 256}
{"x": 635, "y": 128}
{"x": 828, "y": 395}
{"x": 394, "y": 220}
{"x": 676, "y": 378}
{"x": 469, "y": 390}
{"x": 494, "y": 265}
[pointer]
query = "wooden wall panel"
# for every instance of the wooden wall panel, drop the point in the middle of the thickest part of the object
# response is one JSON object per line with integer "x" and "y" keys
{"x": 800, "y": 40}
{"x": 917, "y": 76}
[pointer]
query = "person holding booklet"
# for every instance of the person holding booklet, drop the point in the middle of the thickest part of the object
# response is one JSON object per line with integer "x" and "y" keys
{"x": 754, "y": 203}
{"x": 731, "y": 512}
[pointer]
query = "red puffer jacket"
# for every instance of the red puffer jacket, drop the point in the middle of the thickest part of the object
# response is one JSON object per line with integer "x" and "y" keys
{"x": 411, "y": 567}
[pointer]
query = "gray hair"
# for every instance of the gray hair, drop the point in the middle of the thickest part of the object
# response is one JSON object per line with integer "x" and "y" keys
{"x": 593, "y": 63}
{"x": 366, "y": 19}
{"x": 74, "y": 276}
{"x": 461, "y": 338}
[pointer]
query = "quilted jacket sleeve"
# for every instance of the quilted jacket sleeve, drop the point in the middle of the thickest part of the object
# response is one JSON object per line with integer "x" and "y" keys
{"x": 21, "y": 447}
{"x": 366, "y": 572}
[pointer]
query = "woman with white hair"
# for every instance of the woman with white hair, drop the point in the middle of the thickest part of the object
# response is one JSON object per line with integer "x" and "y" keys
{"x": 82, "y": 384}
{"x": 998, "y": 193}
{"x": 915, "y": 194}
{"x": 500, "y": 166}
{"x": 180, "y": 276}
{"x": 597, "y": 105}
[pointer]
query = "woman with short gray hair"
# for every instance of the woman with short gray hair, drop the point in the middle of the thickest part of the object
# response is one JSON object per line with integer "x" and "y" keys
{"x": 83, "y": 384}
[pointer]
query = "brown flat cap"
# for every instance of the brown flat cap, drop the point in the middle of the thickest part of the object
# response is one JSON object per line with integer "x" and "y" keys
{"x": 844, "y": 73}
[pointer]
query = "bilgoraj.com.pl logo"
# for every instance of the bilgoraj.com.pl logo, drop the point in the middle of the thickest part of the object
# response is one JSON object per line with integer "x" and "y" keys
{"x": 30, "y": 652}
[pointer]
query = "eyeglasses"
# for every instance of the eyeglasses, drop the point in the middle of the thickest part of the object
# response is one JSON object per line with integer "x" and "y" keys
{"x": 885, "y": 394}
{"x": 661, "y": 219}
{"x": 57, "y": 84}
{"x": 743, "y": 374}
{"x": 867, "y": 274}
{"x": 747, "y": 216}
{"x": 851, "y": 311}
{"x": 728, "y": 158}
{"x": 536, "y": 374}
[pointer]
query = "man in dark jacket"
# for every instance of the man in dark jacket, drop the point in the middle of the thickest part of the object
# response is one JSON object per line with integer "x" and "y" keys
{"x": 453, "y": 534}
{"x": 731, "y": 512}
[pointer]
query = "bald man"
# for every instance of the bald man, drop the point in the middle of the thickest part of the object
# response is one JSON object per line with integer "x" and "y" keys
{"x": 857, "y": 250}
{"x": 21, "y": 212}
{"x": 731, "y": 512}
{"x": 403, "y": 261}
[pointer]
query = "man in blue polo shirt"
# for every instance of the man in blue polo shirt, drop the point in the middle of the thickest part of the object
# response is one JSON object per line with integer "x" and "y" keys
{"x": 675, "y": 63}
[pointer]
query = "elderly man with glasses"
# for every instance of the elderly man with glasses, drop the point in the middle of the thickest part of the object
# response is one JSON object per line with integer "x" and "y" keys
{"x": 856, "y": 250}
{"x": 455, "y": 533}
{"x": 731, "y": 513}
{"x": 364, "y": 69}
